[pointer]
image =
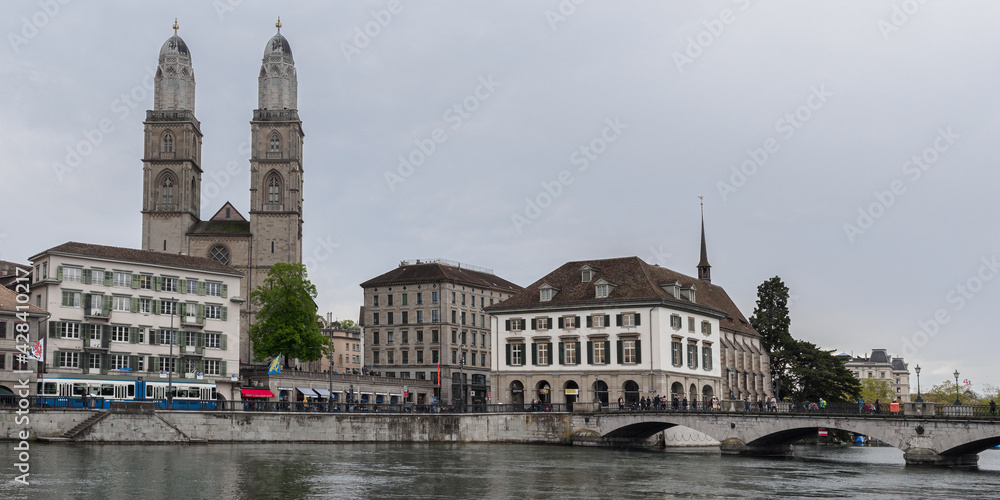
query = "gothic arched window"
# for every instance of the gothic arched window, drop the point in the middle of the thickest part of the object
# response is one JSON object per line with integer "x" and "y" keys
{"x": 275, "y": 144}
{"x": 168, "y": 143}
{"x": 273, "y": 190}
{"x": 167, "y": 191}
{"x": 219, "y": 254}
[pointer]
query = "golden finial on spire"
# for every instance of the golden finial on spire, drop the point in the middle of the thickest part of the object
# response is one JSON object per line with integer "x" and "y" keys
{"x": 278, "y": 25}
{"x": 176, "y": 26}
{"x": 702, "y": 198}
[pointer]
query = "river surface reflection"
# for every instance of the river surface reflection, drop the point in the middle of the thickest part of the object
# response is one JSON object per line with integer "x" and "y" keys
{"x": 477, "y": 471}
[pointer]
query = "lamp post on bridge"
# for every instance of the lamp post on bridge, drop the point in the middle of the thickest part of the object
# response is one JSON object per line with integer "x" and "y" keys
{"x": 958, "y": 401}
{"x": 919, "y": 399}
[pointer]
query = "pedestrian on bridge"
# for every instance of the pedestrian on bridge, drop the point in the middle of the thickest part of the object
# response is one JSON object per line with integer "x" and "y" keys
{"x": 993, "y": 408}
{"x": 861, "y": 405}
{"x": 746, "y": 405}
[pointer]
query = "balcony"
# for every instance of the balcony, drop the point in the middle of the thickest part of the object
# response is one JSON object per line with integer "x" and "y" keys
{"x": 173, "y": 115}
{"x": 277, "y": 115}
{"x": 167, "y": 156}
{"x": 273, "y": 207}
{"x": 192, "y": 321}
{"x": 96, "y": 314}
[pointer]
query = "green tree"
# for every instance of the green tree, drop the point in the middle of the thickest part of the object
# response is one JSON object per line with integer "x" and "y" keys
{"x": 880, "y": 389}
{"x": 815, "y": 373}
{"x": 345, "y": 324}
{"x": 286, "y": 316}
{"x": 770, "y": 319}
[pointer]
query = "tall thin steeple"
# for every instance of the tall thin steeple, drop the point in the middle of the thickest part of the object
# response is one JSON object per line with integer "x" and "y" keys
{"x": 704, "y": 268}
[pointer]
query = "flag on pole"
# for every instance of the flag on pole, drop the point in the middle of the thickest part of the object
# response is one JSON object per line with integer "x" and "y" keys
{"x": 275, "y": 366}
{"x": 37, "y": 352}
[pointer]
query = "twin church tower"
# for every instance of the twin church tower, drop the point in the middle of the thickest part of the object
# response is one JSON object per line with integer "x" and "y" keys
{"x": 172, "y": 173}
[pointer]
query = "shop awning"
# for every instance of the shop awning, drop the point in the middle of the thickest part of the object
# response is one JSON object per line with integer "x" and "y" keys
{"x": 306, "y": 391}
{"x": 322, "y": 392}
{"x": 256, "y": 393}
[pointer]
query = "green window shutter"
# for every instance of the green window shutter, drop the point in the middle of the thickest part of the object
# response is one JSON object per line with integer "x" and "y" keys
{"x": 157, "y": 283}
{"x": 590, "y": 352}
{"x": 65, "y": 299}
{"x": 182, "y": 286}
{"x": 637, "y": 316}
{"x": 133, "y": 362}
{"x": 225, "y": 313}
{"x": 506, "y": 324}
{"x": 638, "y": 350}
{"x": 577, "y": 352}
{"x": 154, "y": 363}
{"x": 225, "y": 291}
{"x": 590, "y": 321}
{"x": 85, "y": 276}
{"x": 607, "y": 319}
{"x": 135, "y": 281}
{"x": 133, "y": 334}
{"x": 107, "y": 304}
{"x": 55, "y": 329}
{"x": 55, "y": 359}
{"x": 620, "y": 348}
{"x": 222, "y": 342}
{"x": 156, "y": 306}
{"x": 607, "y": 351}
{"x": 222, "y": 368}
{"x": 135, "y": 305}
{"x": 154, "y": 336}
{"x": 182, "y": 308}
{"x": 534, "y": 324}
{"x": 59, "y": 273}
{"x": 200, "y": 340}
{"x": 201, "y": 288}
{"x": 201, "y": 312}
{"x": 560, "y": 322}
{"x": 562, "y": 353}
{"x": 108, "y": 277}
{"x": 534, "y": 353}
{"x": 508, "y": 354}
{"x": 618, "y": 320}
{"x": 201, "y": 365}
{"x": 104, "y": 364}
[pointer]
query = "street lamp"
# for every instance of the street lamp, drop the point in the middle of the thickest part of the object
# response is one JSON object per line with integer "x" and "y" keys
{"x": 461, "y": 378}
{"x": 919, "y": 399}
{"x": 957, "y": 400}
{"x": 329, "y": 397}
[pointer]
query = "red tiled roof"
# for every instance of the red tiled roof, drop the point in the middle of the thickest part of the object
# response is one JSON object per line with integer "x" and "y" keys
{"x": 633, "y": 280}
{"x": 435, "y": 272}
{"x": 138, "y": 256}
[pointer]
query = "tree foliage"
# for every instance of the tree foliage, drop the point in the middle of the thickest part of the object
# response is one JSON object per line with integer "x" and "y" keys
{"x": 346, "y": 324}
{"x": 286, "y": 316}
{"x": 800, "y": 370}
{"x": 880, "y": 389}
{"x": 770, "y": 319}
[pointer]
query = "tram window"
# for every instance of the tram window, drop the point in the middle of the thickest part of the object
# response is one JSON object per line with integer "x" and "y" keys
{"x": 48, "y": 388}
{"x": 131, "y": 391}
{"x": 215, "y": 395}
{"x": 79, "y": 389}
{"x": 107, "y": 390}
{"x": 149, "y": 392}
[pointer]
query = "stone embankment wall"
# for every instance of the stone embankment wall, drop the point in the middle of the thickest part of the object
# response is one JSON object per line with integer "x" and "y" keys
{"x": 179, "y": 426}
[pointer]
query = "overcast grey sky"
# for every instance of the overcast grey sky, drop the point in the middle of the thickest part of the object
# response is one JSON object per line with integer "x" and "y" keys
{"x": 798, "y": 121}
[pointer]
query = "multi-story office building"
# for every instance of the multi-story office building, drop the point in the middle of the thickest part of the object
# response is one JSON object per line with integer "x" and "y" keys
{"x": 120, "y": 313}
{"x": 881, "y": 366}
{"x": 426, "y": 318}
{"x": 347, "y": 351}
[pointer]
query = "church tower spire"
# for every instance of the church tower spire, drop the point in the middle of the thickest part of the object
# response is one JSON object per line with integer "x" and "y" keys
{"x": 704, "y": 269}
{"x": 171, "y": 161}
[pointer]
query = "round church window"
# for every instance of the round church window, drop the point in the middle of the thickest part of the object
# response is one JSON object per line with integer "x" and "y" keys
{"x": 220, "y": 254}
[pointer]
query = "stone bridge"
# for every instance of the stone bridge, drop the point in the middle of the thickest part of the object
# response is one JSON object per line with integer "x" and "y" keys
{"x": 924, "y": 441}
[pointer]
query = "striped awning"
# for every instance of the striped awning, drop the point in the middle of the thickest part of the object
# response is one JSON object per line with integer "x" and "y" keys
{"x": 307, "y": 391}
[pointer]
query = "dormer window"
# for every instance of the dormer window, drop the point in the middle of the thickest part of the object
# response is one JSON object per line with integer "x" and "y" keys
{"x": 586, "y": 274}
{"x": 546, "y": 292}
{"x": 674, "y": 289}
{"x": 602, "y": 291}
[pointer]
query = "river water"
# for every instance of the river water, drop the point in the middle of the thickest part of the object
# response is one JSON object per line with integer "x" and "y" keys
{"x": 415, "y": 471}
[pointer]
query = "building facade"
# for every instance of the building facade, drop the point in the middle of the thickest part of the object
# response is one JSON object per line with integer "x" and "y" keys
{"x": 426, "y": 318}
{"x": 621, "y": 328}
{"x": 882, "y": 366}
{"x": 172, "y": 171}
{"x": 122, "y": 313}
{"x": 14, "y": 365}
{"x": 347, "y": 351}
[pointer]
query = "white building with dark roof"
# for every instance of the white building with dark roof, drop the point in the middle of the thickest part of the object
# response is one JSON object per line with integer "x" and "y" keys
{"x": 613, "y": 328}
{"x": 880, "y": 365}
{"x": 119, "y": 313}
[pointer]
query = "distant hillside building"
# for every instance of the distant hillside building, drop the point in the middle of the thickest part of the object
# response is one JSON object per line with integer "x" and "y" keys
{"x": 613, "y": 328}
{"x": 429, "y": 316}
{"x": 880, "y": 365}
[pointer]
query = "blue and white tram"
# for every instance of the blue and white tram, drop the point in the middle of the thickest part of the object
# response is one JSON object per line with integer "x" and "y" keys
{"x": 73, "y": 392}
